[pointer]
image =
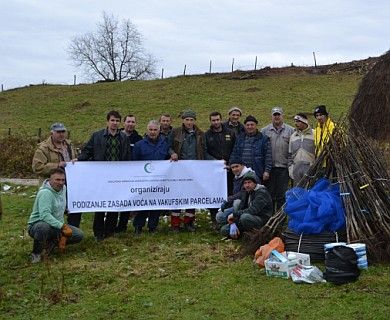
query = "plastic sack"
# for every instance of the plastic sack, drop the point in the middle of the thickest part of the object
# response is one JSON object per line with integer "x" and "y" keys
{"x": 233, "y": 231}
{"x": 306, "y": 274}
{"x": 264, "y": 251}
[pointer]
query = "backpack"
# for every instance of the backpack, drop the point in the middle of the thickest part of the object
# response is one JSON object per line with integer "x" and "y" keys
{"x": 341, "y": 265}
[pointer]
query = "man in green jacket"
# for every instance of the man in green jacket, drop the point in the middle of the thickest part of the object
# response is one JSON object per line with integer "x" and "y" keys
{"x": 46, "y": 224}
{"x": 254, "y": 209}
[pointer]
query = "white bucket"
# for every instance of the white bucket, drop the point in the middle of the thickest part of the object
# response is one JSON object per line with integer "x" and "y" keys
{"x": 360, "y": 249}
{"x": 328, "y": 246}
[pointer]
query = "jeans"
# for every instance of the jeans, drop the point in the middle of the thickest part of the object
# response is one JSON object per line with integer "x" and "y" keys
{"x": 221, "y": 217}
{"x": 44, "y": 234}
{"x": 247, "y": 222}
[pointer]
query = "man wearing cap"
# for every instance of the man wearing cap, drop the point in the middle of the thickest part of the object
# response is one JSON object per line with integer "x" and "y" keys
{"x": 55, "y": 152}
{"x": 279, "y": 134}
{"x": 323, "y": 129}
{"x": 109, "y": 144}
{"x": 186, "y": 143}
{"x": 254, "y": 149}
{"x": 301, "y": 148}
{"x": 239, "y": 170}
{"x": 254, "y": 209}
{"x": 234, "y": 123}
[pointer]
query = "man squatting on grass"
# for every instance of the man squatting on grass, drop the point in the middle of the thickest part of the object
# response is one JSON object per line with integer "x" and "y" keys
{"x": 46, "y": 224}
{"x": 254, "y": 209}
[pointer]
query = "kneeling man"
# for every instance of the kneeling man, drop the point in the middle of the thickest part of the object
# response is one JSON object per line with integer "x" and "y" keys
{"x": 254, "y": 209}
{"x": 46, "y": 224}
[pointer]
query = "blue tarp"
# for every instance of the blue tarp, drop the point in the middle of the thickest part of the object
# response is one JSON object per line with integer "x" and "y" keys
{"x": 317, "y": 210}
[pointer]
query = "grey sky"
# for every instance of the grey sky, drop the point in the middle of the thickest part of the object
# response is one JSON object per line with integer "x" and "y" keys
{"x": 35, "y": 34}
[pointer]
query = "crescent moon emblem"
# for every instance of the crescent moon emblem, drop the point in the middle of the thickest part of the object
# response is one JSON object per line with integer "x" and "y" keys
{"x": 147, "y": 167}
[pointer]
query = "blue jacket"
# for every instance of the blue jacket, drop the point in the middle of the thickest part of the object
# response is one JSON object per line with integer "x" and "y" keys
{"x": 261, "y": 153}
{"x": 145, "y": 149}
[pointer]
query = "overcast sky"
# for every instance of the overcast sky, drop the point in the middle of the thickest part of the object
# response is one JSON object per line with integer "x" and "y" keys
{"x": 34, "y": 35}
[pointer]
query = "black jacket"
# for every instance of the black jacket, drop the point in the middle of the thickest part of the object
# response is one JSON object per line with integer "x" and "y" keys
{"x": 220, "y": 145}
{"x": 95, "y": 149}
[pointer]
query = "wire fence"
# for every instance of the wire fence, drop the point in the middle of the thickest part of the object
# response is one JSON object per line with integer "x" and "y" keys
{"x": 163, "y": 73}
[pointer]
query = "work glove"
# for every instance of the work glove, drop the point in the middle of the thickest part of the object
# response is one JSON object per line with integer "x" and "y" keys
{"x": 62, "y": 243}
{"x": 66, "y": 231}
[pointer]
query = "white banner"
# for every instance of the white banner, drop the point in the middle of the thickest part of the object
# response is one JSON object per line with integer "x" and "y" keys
{"x": 145, "y": 185}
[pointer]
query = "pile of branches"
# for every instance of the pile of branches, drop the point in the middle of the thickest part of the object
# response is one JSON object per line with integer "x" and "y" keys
{"x": 371, "y": 106}
{"x": 355, "y": 162}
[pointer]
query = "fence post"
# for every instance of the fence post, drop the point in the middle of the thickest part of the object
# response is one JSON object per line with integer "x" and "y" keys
{"x": 210, "y": 66}
{"x": 232, "y": 64}
{"x": 315, "y": 61}
{"x": 2, "y": 88}
{"x": 255, "y": 63}
{"x": 184, "y": 72}
{"x": 9, "y": 131}
{"x": 39, "y": 134}
{"x": 162, "y": 73}
{"x": 74, "y": 80}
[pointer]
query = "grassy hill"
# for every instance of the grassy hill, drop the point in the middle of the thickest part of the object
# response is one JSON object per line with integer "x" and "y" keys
{"x": 83, "y": 107}
{"x": 163, "y": 275}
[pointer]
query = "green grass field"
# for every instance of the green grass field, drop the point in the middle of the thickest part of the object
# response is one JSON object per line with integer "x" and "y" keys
{"x": 165, "y": 276}
{"x": 83, "y": 108}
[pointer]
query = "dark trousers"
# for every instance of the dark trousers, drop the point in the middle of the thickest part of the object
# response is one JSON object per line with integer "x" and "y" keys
{"x": 277, "y": 186}
{"x": 140, "y": 219}
{"x": 104, "y": 223}
{"x": 123, "y": 221}
{"x": 74, "y": 219}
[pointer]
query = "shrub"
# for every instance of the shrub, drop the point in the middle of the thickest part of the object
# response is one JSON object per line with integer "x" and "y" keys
{"x": 16, "y": 155}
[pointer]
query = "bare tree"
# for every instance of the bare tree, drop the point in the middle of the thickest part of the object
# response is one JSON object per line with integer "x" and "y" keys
{"x": 113, "y": 53}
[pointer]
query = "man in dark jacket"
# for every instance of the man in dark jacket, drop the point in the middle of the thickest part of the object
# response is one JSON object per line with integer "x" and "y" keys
{"x": 109, "y": 144}
{"x": 130, "y": 123}
{"x": 219, "y": 146}
{"x": 165, "y": 124}
{"x": 152, "y": 147}
{"x": 254, "y": 209}
{"x": 233, "y": 123}
{"x": 186, "y": 143}
{"x": 254, "y": 149}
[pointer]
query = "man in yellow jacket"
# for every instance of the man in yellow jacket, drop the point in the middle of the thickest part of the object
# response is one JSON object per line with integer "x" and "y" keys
{"x": 324, "y": 128}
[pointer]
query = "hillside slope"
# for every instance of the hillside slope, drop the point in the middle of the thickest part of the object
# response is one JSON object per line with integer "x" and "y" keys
{"x": 83, "y": 107}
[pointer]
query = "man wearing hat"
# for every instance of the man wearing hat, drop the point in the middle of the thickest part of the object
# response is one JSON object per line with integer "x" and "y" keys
{"x": 254, "y": 209}
{"x": 52, "y": 153}
{"x": 234, "y": 123}
{"x": 254, "y": 149}
{"x": 279, "y": 134}
{"x": 301, "y": 148}
{"x": 323, "y": 129}
{"x": 186, "y": 143}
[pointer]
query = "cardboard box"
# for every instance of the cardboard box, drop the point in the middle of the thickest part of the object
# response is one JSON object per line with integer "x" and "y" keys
{"x": 279, "y": 269}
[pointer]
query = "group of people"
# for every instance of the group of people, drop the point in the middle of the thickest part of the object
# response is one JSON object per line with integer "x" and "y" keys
{"x": 260, "y": 164}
